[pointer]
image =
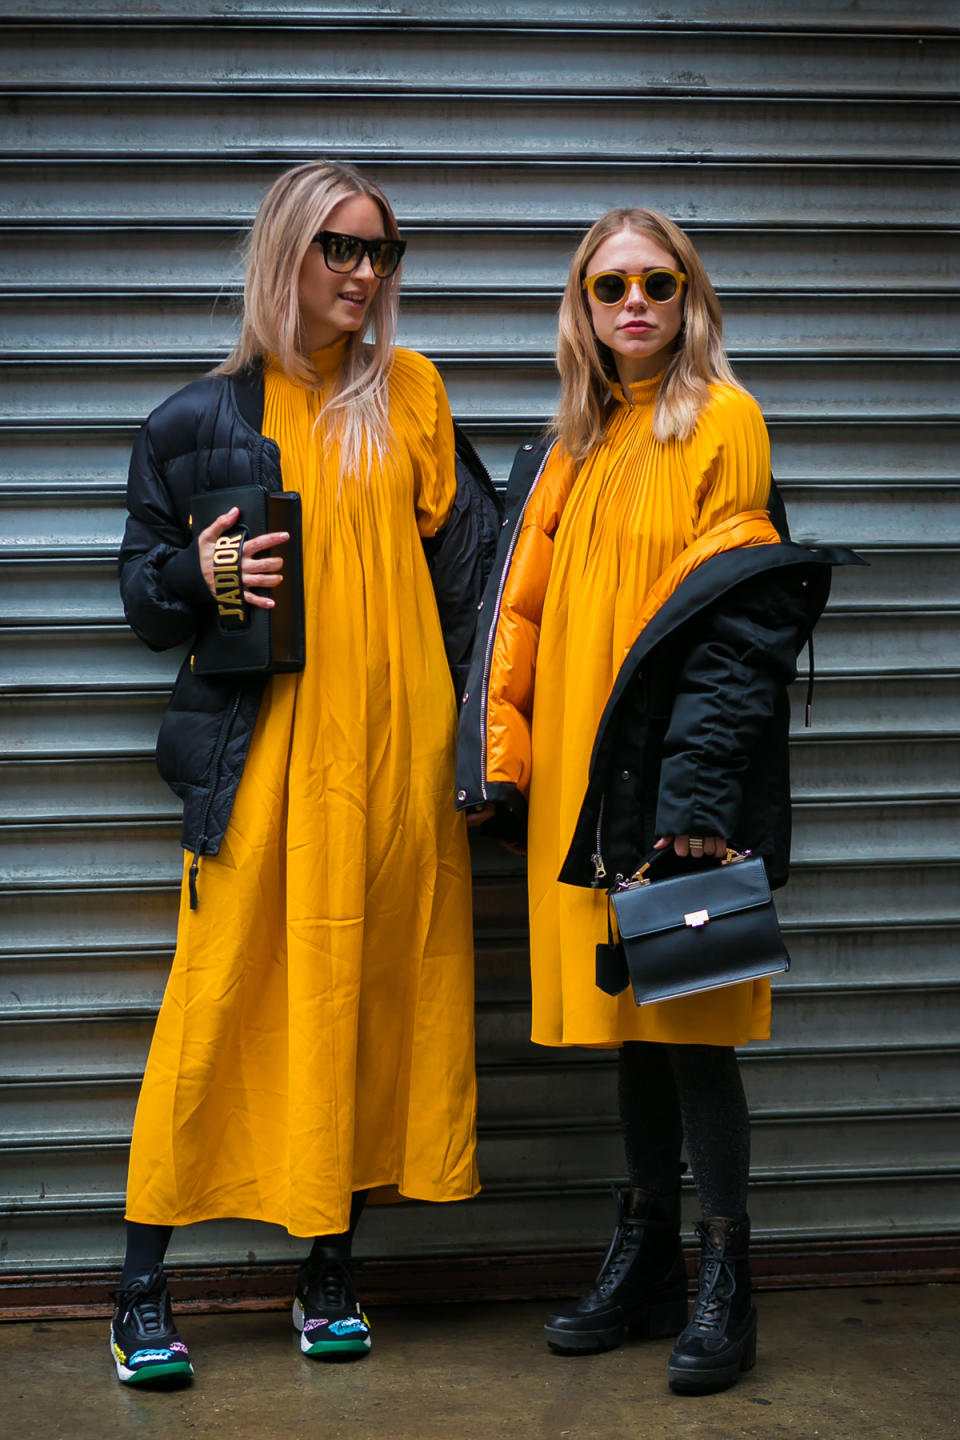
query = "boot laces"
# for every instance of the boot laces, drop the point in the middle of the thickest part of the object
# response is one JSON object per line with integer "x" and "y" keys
{"x": 618, "y": 1258}
{"x": 714, "y": 1294}
{"x": 717, "y": 1285}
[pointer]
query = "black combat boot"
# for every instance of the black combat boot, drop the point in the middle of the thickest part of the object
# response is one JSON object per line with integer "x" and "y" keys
{"x": 721, "y": 1339}
{"x": 642, "y": 1285}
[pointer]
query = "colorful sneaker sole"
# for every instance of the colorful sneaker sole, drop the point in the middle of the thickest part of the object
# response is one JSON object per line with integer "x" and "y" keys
{"x": 175, "y": 1371}
{"x": 330, "y": 1349}
{"x": 330, "y": 1346}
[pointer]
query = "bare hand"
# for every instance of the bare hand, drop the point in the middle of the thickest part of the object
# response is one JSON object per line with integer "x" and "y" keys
{"x": 265, "y": 574}
{"x": 712, "y": 845}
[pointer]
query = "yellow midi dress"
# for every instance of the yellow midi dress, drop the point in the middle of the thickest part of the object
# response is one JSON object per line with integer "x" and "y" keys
{"x": 316, "y": 1034}
{"x": 635, "y": 506}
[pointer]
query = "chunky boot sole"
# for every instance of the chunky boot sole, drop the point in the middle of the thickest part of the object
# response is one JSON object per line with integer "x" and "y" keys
{"x": 660, "y": 1320}
{"x": 698, "y": 1379}
{"x": 585, "y": 1342}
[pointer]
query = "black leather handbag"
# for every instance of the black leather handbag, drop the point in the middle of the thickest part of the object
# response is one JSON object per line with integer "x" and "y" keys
{"x": 242, "y": 639}
{"x": 693, "y": 931}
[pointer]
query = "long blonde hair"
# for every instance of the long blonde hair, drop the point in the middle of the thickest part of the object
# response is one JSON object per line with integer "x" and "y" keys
{"x": 294, "y": 208}
{"x": 586, "y": 366}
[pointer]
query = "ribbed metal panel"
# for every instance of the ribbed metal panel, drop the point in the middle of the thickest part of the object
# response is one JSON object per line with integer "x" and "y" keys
{"x": 810, "y": 151}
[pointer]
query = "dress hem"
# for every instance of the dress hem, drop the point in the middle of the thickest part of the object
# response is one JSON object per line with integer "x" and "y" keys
{"x": 608, "y": 1044}
{"x": 261, "y": 1218}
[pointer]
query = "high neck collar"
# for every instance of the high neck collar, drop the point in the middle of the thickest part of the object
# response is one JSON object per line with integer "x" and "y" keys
{"x": 325, "y": 362}
{"x": 328, "y": 360}
{"x": 640, "y": 393}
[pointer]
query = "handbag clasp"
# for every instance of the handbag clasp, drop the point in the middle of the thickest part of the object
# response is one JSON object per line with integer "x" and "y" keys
{"x": 696, "y": 918}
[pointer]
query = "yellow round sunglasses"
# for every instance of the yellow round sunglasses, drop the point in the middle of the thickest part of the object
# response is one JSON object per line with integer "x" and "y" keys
{"x": 611, "y": 287}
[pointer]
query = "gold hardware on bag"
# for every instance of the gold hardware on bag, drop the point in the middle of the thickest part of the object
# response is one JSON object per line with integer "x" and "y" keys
{"x": 696, "y": 918}
{"x": 639, "y": 877}
{"x": 228, "y": 585}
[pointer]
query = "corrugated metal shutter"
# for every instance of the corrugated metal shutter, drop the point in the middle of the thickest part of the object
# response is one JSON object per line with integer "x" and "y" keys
{"x": 808, "y": 150}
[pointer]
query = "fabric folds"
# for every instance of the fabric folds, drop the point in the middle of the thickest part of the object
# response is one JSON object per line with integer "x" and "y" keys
{"x": 639, "y": 515}
{"x": 316, "y": 1035}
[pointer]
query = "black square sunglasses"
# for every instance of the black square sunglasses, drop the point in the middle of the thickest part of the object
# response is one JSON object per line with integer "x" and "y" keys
{"x": 344, "y": 253}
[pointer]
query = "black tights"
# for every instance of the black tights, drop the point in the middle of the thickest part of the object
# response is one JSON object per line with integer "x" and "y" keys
{"x": 147, "y": 1244}
{"x": 669, "y": 1093}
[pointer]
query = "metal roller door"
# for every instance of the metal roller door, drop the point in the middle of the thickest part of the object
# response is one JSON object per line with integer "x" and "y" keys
{"x": 810, "y": 151}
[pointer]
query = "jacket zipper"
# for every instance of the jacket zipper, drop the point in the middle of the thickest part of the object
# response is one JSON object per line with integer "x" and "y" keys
{"x": 492, "y": 633}
{"x": 599, "y": 869}
{"x": 217, "y": 758}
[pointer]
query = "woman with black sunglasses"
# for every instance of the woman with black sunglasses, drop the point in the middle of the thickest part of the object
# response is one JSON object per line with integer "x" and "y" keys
{"x": 315, "y": 1042}
{"x": 630, "y": 684}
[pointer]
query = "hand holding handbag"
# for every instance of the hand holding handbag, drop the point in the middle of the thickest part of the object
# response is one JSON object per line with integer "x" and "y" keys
{"x": 243, "y": 639}
{"x": 707, "y": 927}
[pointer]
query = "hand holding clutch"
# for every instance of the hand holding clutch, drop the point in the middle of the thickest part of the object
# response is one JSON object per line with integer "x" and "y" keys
{"x": 261, "y": 573}
{"x": 250, "y": 632}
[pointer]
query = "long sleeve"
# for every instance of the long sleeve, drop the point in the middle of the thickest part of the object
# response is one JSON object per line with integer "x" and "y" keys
{"x": 163, "y": 590}
{"x": 742, "y": 653}
{"x": 730, "y": 453}
{"x": 728, "y": 689}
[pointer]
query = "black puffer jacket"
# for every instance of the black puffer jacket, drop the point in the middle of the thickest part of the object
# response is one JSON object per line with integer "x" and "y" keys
{"x": 693, "y": 739}
{"x": 208, "y": 437}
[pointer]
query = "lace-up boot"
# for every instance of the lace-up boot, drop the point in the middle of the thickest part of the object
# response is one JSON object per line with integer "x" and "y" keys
{"x": 721, "y": 1339}
{"x": 641, "y": 1288}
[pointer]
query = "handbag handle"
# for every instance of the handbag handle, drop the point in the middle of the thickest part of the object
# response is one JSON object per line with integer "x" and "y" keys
{"x": 639, "y": 877}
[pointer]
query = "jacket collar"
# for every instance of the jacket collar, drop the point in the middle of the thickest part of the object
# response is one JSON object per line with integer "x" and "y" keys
{"x": 247, "y": 386}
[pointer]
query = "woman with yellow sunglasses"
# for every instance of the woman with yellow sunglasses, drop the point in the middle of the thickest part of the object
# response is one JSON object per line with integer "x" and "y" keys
{"x": 629, "y": 693}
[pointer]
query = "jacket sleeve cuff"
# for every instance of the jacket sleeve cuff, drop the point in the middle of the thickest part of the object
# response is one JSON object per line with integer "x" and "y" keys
{"x": 184, "y": 578}
{"x": 695, "y": 800}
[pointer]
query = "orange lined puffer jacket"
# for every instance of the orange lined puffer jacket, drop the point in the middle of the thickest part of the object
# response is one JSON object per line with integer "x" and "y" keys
{"x": 693, "y": 738}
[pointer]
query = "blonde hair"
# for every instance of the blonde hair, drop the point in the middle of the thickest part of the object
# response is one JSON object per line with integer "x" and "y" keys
{"x": 295, "y": 207}
{"x": 586, "y": 365}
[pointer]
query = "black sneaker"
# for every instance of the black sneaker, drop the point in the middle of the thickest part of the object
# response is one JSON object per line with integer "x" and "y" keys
{"x": 327, "y": 1313}
{"x": 144, "y": 1343}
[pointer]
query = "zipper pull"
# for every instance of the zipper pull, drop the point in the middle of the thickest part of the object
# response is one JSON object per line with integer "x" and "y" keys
{"x": 599, "y": 869}
{"x": 192, "y": 880}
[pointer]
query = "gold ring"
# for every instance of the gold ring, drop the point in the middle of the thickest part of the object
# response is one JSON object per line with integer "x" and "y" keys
{"x": 696, "y": 844}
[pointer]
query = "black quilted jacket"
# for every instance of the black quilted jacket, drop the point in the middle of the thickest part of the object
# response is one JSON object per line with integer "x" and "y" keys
{"x": 205, "y": 437}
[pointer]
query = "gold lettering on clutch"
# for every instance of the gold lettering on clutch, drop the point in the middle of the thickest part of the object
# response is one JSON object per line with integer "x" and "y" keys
{"x": 227, "y": 583}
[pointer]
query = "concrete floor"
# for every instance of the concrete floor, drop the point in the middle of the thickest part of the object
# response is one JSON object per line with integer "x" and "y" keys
{"x": 881, "y": 1364}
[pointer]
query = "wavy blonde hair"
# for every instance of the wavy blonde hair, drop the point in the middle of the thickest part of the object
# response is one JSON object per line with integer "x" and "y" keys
{"x": 295, "y": 207}
{"x": 586, "y": 366}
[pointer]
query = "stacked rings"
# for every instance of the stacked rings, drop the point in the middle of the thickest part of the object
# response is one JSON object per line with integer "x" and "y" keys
{"x": 696, "y": 844}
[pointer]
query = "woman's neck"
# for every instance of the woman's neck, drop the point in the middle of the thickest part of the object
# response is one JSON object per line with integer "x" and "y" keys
{"x": 631, "y": 370}
{"x": 325, "y": 359}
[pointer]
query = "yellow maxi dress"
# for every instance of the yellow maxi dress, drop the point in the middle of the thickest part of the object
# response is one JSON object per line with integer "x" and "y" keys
{"x": 635, "y": 506}
{"x": 316, "y": 1034}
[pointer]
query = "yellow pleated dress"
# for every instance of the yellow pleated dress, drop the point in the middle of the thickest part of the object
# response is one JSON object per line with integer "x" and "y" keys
{"x": 316, "y": 1034}
{"x": 635, "y": 506}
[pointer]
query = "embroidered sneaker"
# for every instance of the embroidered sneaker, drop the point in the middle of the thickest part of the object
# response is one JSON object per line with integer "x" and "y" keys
{"x": 327, "y": 1313}
{"x": 144, "y": 1343}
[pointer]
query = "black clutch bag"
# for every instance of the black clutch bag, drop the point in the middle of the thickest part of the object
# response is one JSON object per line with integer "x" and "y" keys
{"x": 698, "y": 930}
{"x": 242, "y": 639}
